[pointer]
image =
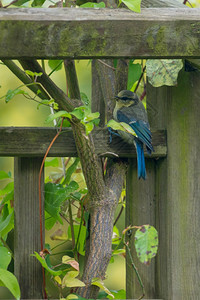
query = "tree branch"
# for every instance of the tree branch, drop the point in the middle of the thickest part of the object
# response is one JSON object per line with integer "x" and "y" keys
{"x": 56, "y": 93}
{"x": 25, "y": 79}
{"x": 72, "y": 79}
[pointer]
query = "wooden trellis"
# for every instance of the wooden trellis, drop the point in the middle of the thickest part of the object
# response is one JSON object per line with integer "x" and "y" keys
{"x": 169, "y": 198}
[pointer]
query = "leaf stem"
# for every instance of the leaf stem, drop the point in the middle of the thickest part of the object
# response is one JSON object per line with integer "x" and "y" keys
{"x": 79, "y": 232}
{"x": 135, "y": 269}
{"x": 71, "y": 226}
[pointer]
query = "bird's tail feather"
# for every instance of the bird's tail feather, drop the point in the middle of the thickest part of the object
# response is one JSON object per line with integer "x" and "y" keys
{"x": 140, "y": 161}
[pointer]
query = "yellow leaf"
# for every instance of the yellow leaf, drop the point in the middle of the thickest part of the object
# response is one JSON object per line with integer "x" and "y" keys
{"x": 72, "y": 296}
{"x": 58, "y": 279}
{"x": 128, "y": 128}
{"x": 98, "y": 282}
{"x": 70, "y": 261}
{"x": 71, "y": 282}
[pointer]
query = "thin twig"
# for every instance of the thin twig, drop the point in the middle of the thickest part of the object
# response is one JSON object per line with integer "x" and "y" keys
{"x": 40, "y": 201}
{"x": 11, "y": 3}
{"x": 185, "y": 1}
{"x": 72, "y": 227}
{"x": 119, "y": 215}
{"x": 79, "y": 232}
{"x": 141, "y": 76}
{"x": 136, "y": 271}
{"x": 105, "y": 64}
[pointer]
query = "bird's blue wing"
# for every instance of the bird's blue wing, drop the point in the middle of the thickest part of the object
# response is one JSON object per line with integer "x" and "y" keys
{"x": 140, "y": 127}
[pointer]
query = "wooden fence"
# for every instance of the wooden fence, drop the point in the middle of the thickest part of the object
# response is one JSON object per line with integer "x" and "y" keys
{"x": 169, "y": 198}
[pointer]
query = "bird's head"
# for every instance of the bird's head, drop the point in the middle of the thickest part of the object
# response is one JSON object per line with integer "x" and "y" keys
{"x": 127, "y": 98}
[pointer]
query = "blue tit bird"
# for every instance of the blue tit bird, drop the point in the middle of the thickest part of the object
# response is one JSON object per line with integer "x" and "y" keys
{"x": 129, "y": 109}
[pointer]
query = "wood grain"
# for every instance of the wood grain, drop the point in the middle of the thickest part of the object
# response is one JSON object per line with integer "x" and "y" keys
{"x": 177, "y": 189}
{"x": 86, "y": 33}
{"x": 34, "y": 141}
{"x": 27, "y": 226}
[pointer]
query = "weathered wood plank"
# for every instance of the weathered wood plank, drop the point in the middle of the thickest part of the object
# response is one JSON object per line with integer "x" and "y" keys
{"x": 86, "y": 33}
{"x": 161, "y": 3}
{"x": 34, "y": 141}
{"x": 177, "y": 188}
{"x": 140, "y": 210}
{"x": 27, "y": 226}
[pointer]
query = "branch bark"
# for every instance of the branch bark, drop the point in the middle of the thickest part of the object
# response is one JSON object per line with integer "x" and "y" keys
{"x": 104, "y": 191}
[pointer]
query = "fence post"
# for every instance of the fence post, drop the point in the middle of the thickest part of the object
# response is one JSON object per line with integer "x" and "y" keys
{"x": 178, "y": 189}
{"x": 27, "y": 226}
{"x": 140, "y": 210}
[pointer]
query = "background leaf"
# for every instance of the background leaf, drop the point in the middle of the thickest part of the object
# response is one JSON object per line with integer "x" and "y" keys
{"x": 82, "y": 237}
{"x": 163, "y": 71}
{"x": 55, "y": 195}
{"x": 93, "y": 5}
{"x": 12, "y": 93}
{"x": 146, "y": 243}
{"x": 71, "y": 170}
{"x": 133, "y": 4}
{"x": 4, "y": 175}
{"x": 8, "y": 280}
{"x": 54, "y": 64}
{"x": 44, "y": 264}
{"x": 7, "y": 225}
{"x": 134, "y": 73}
{"x": 5, "y": 257}
{"x": 52, "y": 162}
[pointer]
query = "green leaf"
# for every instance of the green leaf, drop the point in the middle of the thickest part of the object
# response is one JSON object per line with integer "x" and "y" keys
{"x": 91, "y": 116}
{"x": 71, "y": 170}
{"x": 33, "y": 74}
{"x": 55, "y": 195}
{"x": 78, "y": 112}
{"x": 119, "y": 251}
{"x": 70, "y": 280}
{"x": 8, "y": 188}
{"x": 88, "y": 127}
{"x": 8, "y": 280}
{"x": 20, "y": 2}
{"x": 71, "y": 187}
{"x": 52, "y": 162}
{"x": 4, "y": 175}
{"x": 44, "y": 264}
{"x": 61, "y": 113}
{"x": 133, "y": 5}
{"x": 93, "y": 5}
{"x": 115, "y": 238}
{"x": 37, "y": 3}
{"x": 8, "y": 197}
{"x": 134, "y": 73}
{"x": 71, "y": 297}
{"x": 48, "y": 102}
{"x": 49, "y": 221}
{"x": 121, "y": 294}
{"x": 84, "y": 97}
{"x": 146, "y": 243}
{"x": 121, "y": 126}
{"x": 99, "y": 282}
{"x": 82, "y": 237}
{"x": 115, "y": 125}
{"x": 12, "y": 93}
{"x": 7, "y": 225}
{"x": 5, "y": 257}
{"x": 55, "y": 64}
{"x": 163, "y": 71}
